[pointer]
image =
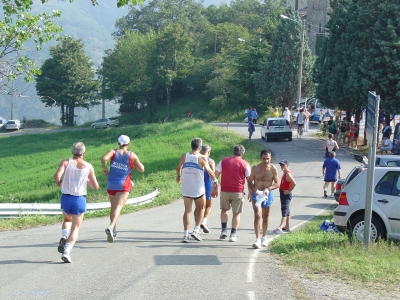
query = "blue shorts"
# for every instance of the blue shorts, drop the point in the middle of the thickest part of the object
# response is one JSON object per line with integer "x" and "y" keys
{"x": 208, "y": 188}
{"x": 266, "y": 203}
{"x": 285, "y": 203}
{"x": 74, "y": 205}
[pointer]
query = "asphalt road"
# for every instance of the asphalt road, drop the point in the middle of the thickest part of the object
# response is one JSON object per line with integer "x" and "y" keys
{"x": 148, "y": 260}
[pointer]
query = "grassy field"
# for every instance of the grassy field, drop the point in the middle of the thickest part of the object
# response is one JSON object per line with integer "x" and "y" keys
{"x": 30, "y": 161}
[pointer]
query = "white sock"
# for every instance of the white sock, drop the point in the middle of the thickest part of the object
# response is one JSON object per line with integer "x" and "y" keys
{"x": 257, "y": 240}
{"x": 205, "y": 221}
{"x": 325, "y": 189}
{"x": 68, "y": 247}
{"x": 196, "y": 229}
{"x": 185, "y": 232}
{"x": 64, "y": 232}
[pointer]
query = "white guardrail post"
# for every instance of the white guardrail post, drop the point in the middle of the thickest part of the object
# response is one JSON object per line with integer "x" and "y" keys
{"x": 13, "y": 210}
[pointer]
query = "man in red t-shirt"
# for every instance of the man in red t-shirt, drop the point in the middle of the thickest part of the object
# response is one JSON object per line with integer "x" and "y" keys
{"x": 285, "y": 193}
{"x": 235, "y": 172}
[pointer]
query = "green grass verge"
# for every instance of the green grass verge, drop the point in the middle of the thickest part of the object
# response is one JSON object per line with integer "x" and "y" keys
{"x": 320, "y": 254}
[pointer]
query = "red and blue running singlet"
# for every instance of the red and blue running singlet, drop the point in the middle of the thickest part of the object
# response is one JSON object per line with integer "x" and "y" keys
{"x": 119, "y": 177}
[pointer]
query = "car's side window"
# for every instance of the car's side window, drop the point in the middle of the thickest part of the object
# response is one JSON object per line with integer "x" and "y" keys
{"x": 396, "y": 187}
{"x": 393, "y": 163}
{"x": 386, "y": 184}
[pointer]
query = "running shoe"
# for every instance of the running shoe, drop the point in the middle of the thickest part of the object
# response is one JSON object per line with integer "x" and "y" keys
{"x": 232, "y": 237}
{"x": 264, "y": 242}
{"x": 196, "y": 236}
{"x": 278, "y": 230}
{"x": 325, "y": 194}
{"x": 114, "y": 234}
{"x": 205, "y": 228}
{"x": 110, "y": 235}
{"x": 257, "y": 244}
{"x": 332, "y": 195}
{"x": 61, "y": 244}
{"x": 286, "y": 230}
{"x": 65, "y": 257}
{"x": 223, "y": 235}
{"x": 185, "y": 239}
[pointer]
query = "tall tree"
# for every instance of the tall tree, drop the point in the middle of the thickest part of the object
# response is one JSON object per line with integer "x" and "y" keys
{"x": 361, "y": 54}
{"x": 174, "y": 58}
{"x": 277, "y": 80}
{"x": 125, "y": 71}
{"x": 66, "y": 80}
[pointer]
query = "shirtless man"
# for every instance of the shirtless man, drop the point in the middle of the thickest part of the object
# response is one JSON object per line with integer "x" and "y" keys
{"x": 263, "y": 179}
{"x": 190, "y": 173}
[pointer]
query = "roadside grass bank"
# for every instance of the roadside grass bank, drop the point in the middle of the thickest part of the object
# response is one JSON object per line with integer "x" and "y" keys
{"x": 30, "y": 161}
{"x": 319, "y": 255}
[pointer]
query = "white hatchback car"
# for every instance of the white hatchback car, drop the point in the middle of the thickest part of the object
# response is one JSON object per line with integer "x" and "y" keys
{"x": 276, "y": 128}
{"x": 13, "y": 124}
{"x": 385, "y": 222}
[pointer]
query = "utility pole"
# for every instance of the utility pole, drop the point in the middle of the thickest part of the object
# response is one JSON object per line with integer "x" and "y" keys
{"x": 301, "y": 63}
{"x": 12, "y": 101}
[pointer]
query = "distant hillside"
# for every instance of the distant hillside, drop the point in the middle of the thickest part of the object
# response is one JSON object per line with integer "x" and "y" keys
{"x": 79, "y": 19}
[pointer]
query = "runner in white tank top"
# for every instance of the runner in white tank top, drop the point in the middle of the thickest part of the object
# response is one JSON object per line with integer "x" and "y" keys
{"x": 190, "y": 173}
{"x": 192, "y": 177}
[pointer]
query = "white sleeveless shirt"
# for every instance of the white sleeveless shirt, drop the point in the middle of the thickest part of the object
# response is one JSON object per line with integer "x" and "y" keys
{"x": 330, "y": 145}
{"x": 192, "y": 177}
{"x": 74, "y": 180}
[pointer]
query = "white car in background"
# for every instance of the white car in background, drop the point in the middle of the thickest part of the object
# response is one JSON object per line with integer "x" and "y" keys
{"x": 385, "y": 221}
{"x": 13, "y": 125}
{"x": 276, "y": 128}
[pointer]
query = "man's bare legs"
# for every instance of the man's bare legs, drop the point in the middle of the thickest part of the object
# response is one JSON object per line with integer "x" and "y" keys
{"x": 198, "y": 217}
{"x": 257, "y": 219}
{"x": 117, "y": 203}
{"x": 186, "y": 214}
{"x": 74, "y": 222}
{"x": 265, "y": 221}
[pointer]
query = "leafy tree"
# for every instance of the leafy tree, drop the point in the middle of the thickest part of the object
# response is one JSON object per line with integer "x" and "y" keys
{"x": 156, "y": 14}
{"x": 125, "y": 71}
{"x": 66, "y": 80}
{"x": 174, "y": 58}
{"x": 19, "y": 26}
{"x": 360, "y": 54}
{"x": 277, "y": 80}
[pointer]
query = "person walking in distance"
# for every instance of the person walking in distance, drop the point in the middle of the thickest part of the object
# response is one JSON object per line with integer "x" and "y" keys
{"x": 119, "y": 183}
{"x": 331, "y": 173}
{"x": 235, "y": 171}
{"x": 263, "y": 179}
{"x": 254, "y": 116}
{"x": 301, "y": 117}
{"x": 73, "y": 175}
{"x": 190, "y": 173}
{"x": 330, "y": 145}
{"x": 285, "y": 192}
{"x": 24, "y": 122}
{"x": 208, "y": 184}
{"x": 250, "y": 128}
{"x": 294, "y": 115}
{"x": 286, "y": 114}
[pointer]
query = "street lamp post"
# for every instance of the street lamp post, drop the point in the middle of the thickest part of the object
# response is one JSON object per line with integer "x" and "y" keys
{"x": 303, "y": 25}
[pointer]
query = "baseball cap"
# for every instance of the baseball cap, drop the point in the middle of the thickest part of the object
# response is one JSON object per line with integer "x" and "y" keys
{"x": 284, "y": 162}
{"x": 123, "y": 140}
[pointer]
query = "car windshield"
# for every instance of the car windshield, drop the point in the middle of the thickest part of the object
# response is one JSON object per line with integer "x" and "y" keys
{"x": 282, "y": 122}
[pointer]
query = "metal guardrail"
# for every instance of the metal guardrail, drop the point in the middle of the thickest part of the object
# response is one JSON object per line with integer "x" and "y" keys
{"x": 13, "y": 210}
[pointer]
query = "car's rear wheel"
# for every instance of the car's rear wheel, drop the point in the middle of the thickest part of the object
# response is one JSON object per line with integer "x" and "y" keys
{"x": 266, "y": 138}
{"x": 94, "y": 127}
{"x": 108, "y": 126}
{"x": 290, "y": 139}
{"x": 356, "y": 232}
